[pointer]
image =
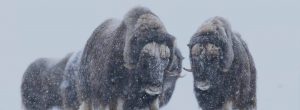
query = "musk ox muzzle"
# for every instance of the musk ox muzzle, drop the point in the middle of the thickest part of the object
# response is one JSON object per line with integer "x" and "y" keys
{"x": 202, "y": 85}
{"x": 153, "y": 62}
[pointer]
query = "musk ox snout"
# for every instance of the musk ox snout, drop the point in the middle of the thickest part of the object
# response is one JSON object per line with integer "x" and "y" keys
{"x": 155, "y": 81}
{"x": 154, "y": 90}
{"x": 202, "y": 85}
{"x": 154, "y": 60}
{"x": 205, "y": 80}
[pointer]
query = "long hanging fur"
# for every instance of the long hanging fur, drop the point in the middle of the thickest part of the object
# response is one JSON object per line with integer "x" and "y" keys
{"x": 233, "y": 79}
{"x": 103, "y": 75}
{"x": 41, "y": 82}
{"x": 69, "y": 89}
{"x": 110, "y": 56}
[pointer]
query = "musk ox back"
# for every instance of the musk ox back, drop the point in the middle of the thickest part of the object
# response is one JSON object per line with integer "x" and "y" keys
{"x": 223, "y": 68}
{"x": 124, "y": 62}
{"x": 40, "y": 85}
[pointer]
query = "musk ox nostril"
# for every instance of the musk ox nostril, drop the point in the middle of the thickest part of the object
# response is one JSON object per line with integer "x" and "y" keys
{"x": 154, "y": 88}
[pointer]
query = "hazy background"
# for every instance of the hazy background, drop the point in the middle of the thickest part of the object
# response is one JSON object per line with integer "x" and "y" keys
{"x": 30, "y": 29}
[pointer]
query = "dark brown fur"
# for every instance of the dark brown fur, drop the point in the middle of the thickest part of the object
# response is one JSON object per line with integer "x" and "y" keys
{"x": 110, "y": 68}
{"x": 170, "y": 80}
{"x": 111, "y": 60}
{"x": 230, "y": 70}
{"x": 40, "y": 85}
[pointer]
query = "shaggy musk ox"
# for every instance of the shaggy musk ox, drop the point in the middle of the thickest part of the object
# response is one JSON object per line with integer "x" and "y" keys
{"x": 69, "y": 85}
{"x": 40, "y": 88}
{"x": 223, "y": 68}
{"x": 133, "y": 64}
{"x": 125, "y": 63}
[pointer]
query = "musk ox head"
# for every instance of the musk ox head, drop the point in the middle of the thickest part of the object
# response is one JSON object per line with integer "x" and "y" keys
{"x": 153, "y": 61}
{"x": 211, "y": 53}
{"x": 148, "y": 48}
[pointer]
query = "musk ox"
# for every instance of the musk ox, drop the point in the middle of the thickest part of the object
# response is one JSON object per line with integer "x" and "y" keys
{"x": 69, "y": 89}
{"x": 124, "y": 63}
{"x": 70, "y": 80}
{"x": 130, "y": 64}
{"x": 40, "y": 88}
{"x": 223, "y": 68}
{"x": 51, "y": 83}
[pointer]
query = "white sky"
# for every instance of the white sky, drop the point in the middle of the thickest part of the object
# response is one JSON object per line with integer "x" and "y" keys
{"x": 30, "y": 29}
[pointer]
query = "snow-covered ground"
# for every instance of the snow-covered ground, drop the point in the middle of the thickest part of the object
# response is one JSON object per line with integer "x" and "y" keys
{"x": 30, "y": 29}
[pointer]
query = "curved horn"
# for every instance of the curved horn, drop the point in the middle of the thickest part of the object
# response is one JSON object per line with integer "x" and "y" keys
{"x": 188, "y": 70}
{"x": 175, "y": 74}
{"x": 129, "y": 66}
{"x": 181, "y": 76}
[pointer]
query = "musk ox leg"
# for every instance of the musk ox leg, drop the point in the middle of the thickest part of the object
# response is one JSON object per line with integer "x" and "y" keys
{"x": 116, "y": 104}
{"x": 227, "y": 105}
{"x": 120, "y": 103}
{"x": 155, "y": 104}
{"x": 113, "y": 105}
{"x": 248, "y": 108}
{"x": 101, "y": 107}
{"x": 85, "y": 106}
{"x": 98, "y": 105}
